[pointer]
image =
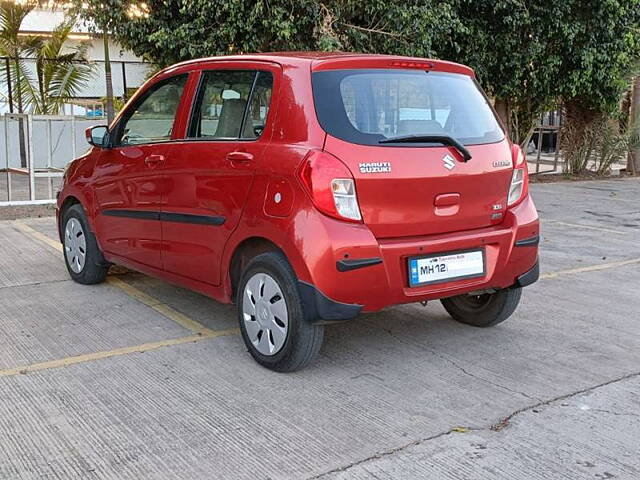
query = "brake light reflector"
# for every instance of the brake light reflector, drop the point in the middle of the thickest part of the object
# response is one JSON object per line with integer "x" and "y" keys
{"x": 344, "y": 196}
{"x": 517, "y": 185}
{"x": 331, "y": 186}
{"x": 519, "y": 179}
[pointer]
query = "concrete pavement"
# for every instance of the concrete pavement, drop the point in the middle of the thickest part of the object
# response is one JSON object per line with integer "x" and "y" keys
{"x": 136, "y": 378}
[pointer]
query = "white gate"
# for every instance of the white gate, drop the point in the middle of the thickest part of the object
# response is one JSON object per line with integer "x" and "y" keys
{"x": 36, "y": 149}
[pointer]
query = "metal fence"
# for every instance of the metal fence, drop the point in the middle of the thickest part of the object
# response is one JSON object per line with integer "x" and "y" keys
{"x": 543, "y": 142}
{"x": 35, "y": 150}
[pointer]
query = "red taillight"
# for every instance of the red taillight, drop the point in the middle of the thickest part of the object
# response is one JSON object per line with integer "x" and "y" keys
{"x": 330, "y": 185}
{"x": 519, "y": 186}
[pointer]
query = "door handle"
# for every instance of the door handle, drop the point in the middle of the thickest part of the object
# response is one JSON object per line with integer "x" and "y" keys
{"x": 239, "y": 156}
{"x": 153, "y": 160}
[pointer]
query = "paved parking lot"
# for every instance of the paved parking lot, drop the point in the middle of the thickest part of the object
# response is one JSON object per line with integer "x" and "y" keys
{"x": 138, "y": 379}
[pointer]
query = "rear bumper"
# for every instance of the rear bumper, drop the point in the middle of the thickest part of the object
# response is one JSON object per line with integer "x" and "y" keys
{"x": 529, "y": 277}
{"x": 357, "y": 272}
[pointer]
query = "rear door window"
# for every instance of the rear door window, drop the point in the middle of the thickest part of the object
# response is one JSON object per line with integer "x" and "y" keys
{"x": 231, "y": 104}
{"x": 366, "y": 106}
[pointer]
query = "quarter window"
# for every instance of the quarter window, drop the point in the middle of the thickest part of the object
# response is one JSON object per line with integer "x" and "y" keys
{"x": 259, "y": 105}
{"x": 231, "y": 104}
{"x": 151, "y": 120}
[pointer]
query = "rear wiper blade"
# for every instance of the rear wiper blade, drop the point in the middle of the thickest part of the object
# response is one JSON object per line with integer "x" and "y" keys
{"x": 435, "y": 138}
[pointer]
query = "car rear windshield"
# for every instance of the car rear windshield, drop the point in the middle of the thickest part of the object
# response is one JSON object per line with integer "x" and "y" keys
{"x": 367, "y": 106}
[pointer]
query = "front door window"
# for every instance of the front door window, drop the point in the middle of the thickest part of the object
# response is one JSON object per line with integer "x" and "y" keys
{"x": 152, "y": 119}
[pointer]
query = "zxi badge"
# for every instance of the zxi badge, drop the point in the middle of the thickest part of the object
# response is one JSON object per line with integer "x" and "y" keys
{"x": 449, "y": 162}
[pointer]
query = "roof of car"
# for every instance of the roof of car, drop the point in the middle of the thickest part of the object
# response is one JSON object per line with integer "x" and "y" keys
{"x": 283, "y": 56}
{"x": 325, "y": 59}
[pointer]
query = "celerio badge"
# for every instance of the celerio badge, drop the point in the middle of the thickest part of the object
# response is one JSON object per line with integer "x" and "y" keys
{"x": 501, "y": 163}
{"x": 449, "y": 162}
{"x": 375, "y": 167}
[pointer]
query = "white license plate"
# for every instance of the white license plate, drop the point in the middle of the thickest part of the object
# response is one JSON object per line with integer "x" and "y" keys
{"x": 446, "y": 267}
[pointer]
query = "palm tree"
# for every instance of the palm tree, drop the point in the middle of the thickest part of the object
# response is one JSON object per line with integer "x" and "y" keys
{"x": 15, "y": 47}
{"x": 60, "y": 72}
{"x": 59, "y": 75}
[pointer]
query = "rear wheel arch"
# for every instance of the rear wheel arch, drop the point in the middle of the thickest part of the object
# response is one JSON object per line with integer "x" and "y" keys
{"x": 242, "y": 255}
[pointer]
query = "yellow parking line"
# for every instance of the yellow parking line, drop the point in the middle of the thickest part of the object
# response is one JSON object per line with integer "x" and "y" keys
{"x": 591, "y": 268}
{"x": 587, "y": 227}
{"x": 145, "y": 347}
{"x": 158, "y": 306}
{"x": 162, "y": 308}
{"x": 39, "y": 236}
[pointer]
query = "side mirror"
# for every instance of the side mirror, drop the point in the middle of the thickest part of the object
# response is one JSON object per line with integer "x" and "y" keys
{"x": 97, "y": 136}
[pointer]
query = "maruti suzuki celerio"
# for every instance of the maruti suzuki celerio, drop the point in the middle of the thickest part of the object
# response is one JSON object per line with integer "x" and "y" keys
{"x": 307, "y": 188}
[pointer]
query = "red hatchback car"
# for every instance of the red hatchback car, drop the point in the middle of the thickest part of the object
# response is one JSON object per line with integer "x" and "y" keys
{"x": 307, "y": 188}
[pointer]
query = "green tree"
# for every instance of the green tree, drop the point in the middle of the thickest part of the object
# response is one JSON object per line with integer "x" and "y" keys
{"x": 45, "y": 72}
{"x": 530, "y": 55}
{"x": 512, "y": 46}
{"x": 174, "y": 30}
{"x": 60, "y": 72}
{"x": 57, "y": 75}
{"x": 601, "y": 45}
{"x": 15, "y": 47}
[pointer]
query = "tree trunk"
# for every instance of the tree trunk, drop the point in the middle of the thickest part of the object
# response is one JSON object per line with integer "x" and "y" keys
{"x": 578, "y": 135}
{"x": 44, "y": 108}
{"x": 504, "y": 112}
{"x": 107, "y": 75}
{"x": 21, "y": 137}
{"x": 633, "y": 160}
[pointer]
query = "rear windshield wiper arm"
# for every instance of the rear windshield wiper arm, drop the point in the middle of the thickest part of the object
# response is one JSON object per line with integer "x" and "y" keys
{"x": 435, "y": 138}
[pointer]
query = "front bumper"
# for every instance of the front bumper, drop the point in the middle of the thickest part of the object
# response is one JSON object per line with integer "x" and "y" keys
{"x": 359, "y": 272}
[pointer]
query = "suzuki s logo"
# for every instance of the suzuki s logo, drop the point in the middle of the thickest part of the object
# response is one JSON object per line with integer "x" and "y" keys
{"x": 449, "y": 162}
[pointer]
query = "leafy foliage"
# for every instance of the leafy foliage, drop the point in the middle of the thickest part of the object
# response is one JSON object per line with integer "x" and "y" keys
{"x": 527, "y": 54}
{"x": 600, "y": 43}
{"x": 59, "y": 73}
{"x": 530, "y": 55}
{"x": 175, "y": 30}
{"x": 596, "y": 147}
{"x": 15, "y": 47}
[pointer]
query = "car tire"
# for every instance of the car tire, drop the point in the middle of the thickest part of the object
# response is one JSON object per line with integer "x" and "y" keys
{"x": 271, "y": 315}
{"x": 484, "y": 310}
{"x": 82, "y": 255}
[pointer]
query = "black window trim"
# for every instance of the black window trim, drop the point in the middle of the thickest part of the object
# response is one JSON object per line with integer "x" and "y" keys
{"x": 123, "y": 119}
{"x": 196, "y": 104}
